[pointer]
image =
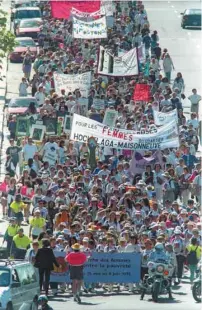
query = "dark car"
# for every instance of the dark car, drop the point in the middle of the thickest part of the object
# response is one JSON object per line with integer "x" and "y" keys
{"x": 191, "y": 18}
{"x": 24, "y": 13}
{"x": 22, "y": 45}
{"x": 29, "y": 28}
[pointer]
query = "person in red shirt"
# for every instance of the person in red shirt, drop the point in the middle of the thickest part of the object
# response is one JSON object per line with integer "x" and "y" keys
{"x": 76, "y": 260}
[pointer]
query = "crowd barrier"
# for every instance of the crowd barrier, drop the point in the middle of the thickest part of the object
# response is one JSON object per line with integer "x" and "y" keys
{"x": 102, "y": 268}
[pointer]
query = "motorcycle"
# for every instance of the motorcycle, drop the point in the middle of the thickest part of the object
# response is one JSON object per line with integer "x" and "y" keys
{"x": 196, "y": 288}
{"x": 158, "y": 280}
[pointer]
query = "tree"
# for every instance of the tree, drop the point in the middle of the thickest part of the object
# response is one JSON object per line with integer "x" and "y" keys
{"x": 7, "y": 38}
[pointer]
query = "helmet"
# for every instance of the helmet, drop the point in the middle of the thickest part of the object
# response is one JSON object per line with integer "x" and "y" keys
{"x": 159, "y": 246}
{"x": 43, "y": 298}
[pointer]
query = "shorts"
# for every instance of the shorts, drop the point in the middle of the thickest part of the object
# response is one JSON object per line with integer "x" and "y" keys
{"x": 76, "y": 272}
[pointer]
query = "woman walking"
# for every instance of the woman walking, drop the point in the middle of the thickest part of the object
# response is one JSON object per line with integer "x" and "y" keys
{"x": 44, "y": 260}
{"x": 76, "y": 260}
{"x": 193, "y": 257}
{"x": 168, "y": 66}
{"x": 27, "y": 65}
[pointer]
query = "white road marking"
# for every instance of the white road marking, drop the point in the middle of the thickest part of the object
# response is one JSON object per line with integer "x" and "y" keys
{"x": 179, "y": 16}
{"x": 189, "y": 33}
{"x": 176, "y": 11}
{"x": 198, "y": 46}
{"x": 172, "y": 6}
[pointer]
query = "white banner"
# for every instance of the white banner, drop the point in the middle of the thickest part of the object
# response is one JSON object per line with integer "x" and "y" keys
{"x": 70, "y": 82}
{"x": 80, "y": 14}
{"x": 161, "y": 118}
{"x": 96, "y": 29}
{"x": 153, "y": 139}
{"x": 125, "y": 65}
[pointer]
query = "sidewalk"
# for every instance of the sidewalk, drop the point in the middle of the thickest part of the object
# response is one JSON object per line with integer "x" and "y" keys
{"x": 5, "y": 6}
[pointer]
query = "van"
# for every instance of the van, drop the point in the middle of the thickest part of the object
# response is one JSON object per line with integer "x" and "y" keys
{"x": 25, "y": 13}
{"x": 19, "y": 284}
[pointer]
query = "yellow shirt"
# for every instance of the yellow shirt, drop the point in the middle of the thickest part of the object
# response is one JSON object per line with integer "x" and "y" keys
{"x": 12, "y": 230}
{"x": 17, "y": 206}
{"x": 21, "y": 242}
{"x": 192, "y": 247}
{"x": 37, "y": 222}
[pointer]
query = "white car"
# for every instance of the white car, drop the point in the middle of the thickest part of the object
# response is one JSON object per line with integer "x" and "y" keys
{"x": 19, "y": 284}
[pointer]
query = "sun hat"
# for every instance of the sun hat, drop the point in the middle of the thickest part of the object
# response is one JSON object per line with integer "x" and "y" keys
{"x": 85, "y": 239}
{"x": 76, "y": 246}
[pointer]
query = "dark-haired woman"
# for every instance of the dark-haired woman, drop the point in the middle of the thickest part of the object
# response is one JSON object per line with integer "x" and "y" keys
{"x": 45, "y": 265}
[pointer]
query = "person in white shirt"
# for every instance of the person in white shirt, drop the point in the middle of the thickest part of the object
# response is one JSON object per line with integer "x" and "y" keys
{"x": 194, "y": 99}
{"x": 50, "y": 152}
{"x": 193, "y": 121}
{"x": 29, "y": 150}
{"x": 40, "y": 96}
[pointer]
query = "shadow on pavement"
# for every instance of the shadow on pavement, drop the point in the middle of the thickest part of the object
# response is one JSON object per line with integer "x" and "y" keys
{"x": 166, "y": 301}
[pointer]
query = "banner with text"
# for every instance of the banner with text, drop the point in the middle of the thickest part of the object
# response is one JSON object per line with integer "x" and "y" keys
{"x": 102, "y": 268}
{"x": 79, "y": 14}
{"x": 139, "y": 162}
{"x": 96, "y": 29}
{"x": 125, "y": 65}
{"x": 107, "y": 7}
{"x": 152, "y": 139}
{"x": 161, "y": 118}
{"x": 70, "y": 82}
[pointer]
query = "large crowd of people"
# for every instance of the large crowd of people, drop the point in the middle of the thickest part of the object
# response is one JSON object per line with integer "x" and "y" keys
{"x": 107, "y": 208}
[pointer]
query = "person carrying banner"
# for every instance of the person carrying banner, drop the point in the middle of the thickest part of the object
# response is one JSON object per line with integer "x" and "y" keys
{"x": 76, "y": 260}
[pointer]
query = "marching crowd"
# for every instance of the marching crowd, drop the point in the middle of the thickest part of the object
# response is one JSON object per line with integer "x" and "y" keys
{"x": 71, "y": 205}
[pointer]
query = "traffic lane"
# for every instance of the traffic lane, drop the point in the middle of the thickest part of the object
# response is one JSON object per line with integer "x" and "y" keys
{"x": 183, "y": 45}
{"x": 14, "y": 77}
{"x": 124, "y": 301}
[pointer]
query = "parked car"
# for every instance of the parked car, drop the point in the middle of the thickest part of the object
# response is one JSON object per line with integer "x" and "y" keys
{"x": 19, "y": 284}
{"x": 23, "y": 3}
{"x": 22, "y": 44}
{"x": 24, "y": 13}
{"x": 191, "y": 18}
{"x": 28, "y": 28}
{"x": 19, "y": 105}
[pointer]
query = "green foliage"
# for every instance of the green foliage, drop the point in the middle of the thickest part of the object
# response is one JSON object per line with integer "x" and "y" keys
{"x": 7, "y": 38}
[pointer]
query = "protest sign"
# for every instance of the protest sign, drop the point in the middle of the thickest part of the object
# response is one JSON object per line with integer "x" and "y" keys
{"x": 110, "y": 117}
{"x": 141, "y": 92}
{"x": 70, "y": 82}
{"x": 161, "y": 118}
{"x": 51, "y": 125}
{"x": 141, "y": 53}
{"x": 83, "y": 105}
{"x": 96, "y": 117}
{"x": 67, "y": 124}
{"x": 102, "y": 268}
{"x": 96, "y": 29}
{"x": 151, "y": 139}
{"x": 138, "y": 162}
{"x": 124, "y": 65}
{"x": 99, "y": 104}
{"x": 62, "y": 9}
{"x": 107, "y": 7}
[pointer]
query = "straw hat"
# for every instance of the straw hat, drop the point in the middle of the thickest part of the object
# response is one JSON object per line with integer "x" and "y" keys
{"x": 76, "y": 246}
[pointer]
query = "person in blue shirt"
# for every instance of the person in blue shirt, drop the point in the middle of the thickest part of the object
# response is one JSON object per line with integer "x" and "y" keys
{"x": 189, "y": 159}
{"x": 158, "y": 253}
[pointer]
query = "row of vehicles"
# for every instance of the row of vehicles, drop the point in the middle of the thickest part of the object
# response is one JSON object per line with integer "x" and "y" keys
{"x": 27, "y": 22}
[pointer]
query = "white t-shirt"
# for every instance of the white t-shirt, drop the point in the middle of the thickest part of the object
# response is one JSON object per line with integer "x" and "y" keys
{"x": 194, "y": 98}
{"x": 50, "y": 152}
{"x": 29, "y": 151}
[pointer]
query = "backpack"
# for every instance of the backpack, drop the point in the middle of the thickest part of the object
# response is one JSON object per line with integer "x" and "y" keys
{"x": 192, "y": 258}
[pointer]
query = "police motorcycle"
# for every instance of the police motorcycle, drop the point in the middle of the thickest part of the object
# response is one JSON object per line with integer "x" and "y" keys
{"x": 196, "y": 288}
{"x": 158, "y": 279}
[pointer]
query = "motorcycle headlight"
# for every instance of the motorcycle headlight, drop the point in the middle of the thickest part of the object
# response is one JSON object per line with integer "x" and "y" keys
{"x": 160, "y": 268}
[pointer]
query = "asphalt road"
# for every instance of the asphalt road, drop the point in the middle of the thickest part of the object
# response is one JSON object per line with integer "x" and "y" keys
{"x": 185, "y": 49}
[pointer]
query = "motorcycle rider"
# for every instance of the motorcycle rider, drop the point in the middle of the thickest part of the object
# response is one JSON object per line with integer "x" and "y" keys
{"x": 43, "y": 303}
{"x": 158, "y": 255}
